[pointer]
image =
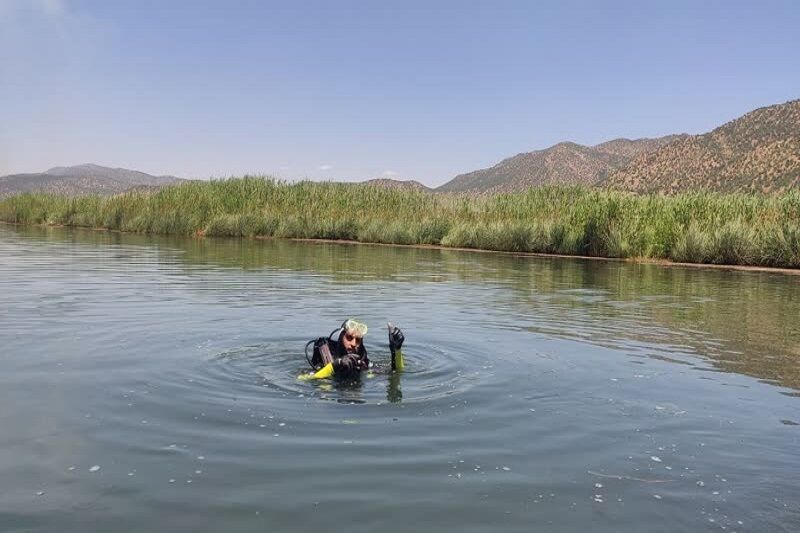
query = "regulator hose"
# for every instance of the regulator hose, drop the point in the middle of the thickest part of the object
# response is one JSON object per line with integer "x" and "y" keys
{"x": 309, "y": 343}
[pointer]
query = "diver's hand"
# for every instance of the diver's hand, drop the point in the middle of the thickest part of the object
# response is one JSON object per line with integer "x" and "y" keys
{"x": 396, "y": 337}
{"x": 348, "y": 364}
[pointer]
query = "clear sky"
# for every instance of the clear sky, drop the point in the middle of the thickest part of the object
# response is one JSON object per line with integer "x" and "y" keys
{"x": 352, "y": 90}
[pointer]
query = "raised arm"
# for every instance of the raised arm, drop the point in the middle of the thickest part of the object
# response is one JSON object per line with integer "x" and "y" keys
{"x": 396, "y": 339}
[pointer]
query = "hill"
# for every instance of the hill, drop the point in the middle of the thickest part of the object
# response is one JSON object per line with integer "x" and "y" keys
{"x": 759, "y": 151}
{"x": 565, "y": 163}
{"x": 397, "y": 184}
{"x": 82, "y": 179}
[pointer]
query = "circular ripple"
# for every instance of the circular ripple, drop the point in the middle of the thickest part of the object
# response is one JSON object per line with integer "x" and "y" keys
{"x": 429, "y": 375}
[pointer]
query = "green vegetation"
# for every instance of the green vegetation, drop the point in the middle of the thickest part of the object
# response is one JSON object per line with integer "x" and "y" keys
{"x": 701, "y": 227}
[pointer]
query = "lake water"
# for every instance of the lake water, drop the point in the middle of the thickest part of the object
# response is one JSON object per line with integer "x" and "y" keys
{"x": 149, "y": 384}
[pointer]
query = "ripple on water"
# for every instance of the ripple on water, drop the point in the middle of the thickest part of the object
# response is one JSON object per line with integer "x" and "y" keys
{"x": 436, "y": 374}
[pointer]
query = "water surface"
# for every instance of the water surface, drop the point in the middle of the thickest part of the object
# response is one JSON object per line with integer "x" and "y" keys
{"x": 148, "y": 383}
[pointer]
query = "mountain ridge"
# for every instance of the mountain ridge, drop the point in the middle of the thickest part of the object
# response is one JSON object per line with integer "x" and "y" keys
{"x": 391, "y": 183}
{"x": 564, "y": 163}
{"x": 756, "y": 152}
{"x": 86, "y": 178}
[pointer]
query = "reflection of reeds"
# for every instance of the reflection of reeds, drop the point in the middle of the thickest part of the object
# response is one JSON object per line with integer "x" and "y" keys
{"x": 700, "y": 227}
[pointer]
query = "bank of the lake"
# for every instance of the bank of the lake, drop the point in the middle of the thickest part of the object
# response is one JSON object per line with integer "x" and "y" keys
{"x": 697, "y": 227}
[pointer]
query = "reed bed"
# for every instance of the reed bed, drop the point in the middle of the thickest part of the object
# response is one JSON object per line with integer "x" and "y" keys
{"x": 697, "y": 227}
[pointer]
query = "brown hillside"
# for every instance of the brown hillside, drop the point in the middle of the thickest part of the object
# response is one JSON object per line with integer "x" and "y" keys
{"x": 82, "y": 180}
{"x": 565, "y": 163}
{"x": 397, "y": 184}
{"x": 759, "y": 151}
{"x": 630, "y": 148}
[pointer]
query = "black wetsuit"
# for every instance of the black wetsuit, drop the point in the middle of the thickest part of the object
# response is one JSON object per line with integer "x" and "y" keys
{"x": 331, "y": 350}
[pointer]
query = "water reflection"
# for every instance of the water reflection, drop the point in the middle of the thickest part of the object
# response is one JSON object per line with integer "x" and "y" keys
{"x": 743, "y": 322}
{"x": 537, "y": 392}
{"x": 394, "y": 393}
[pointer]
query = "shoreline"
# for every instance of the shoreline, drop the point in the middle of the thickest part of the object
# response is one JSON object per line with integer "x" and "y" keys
{"x": 633, "y": 261}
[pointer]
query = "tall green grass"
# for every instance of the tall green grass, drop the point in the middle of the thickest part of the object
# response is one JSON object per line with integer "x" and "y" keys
{"x": 698, "y": 227}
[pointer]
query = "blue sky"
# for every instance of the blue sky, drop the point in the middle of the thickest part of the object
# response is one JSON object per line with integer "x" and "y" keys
{"x": 355, "y": 90}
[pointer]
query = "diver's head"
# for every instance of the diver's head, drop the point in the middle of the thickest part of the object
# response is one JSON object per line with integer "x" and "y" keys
{"x": 353, "y": 335}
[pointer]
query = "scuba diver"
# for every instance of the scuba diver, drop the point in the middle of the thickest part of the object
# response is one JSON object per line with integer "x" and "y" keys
{"x": 342, "y": 354}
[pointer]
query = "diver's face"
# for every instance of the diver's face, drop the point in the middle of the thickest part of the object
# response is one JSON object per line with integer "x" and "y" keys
{"x": 350, "y": 341}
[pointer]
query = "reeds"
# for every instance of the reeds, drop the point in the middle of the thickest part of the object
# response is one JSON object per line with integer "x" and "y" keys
{"x": 698, "y": 227}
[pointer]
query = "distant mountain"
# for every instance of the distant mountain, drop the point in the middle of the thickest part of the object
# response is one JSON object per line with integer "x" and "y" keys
{"x": 397, "y": 184}
{"x": 82, "y": 179}
{"x": 566, "y": 163}
{"x": 759, "y": 151}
